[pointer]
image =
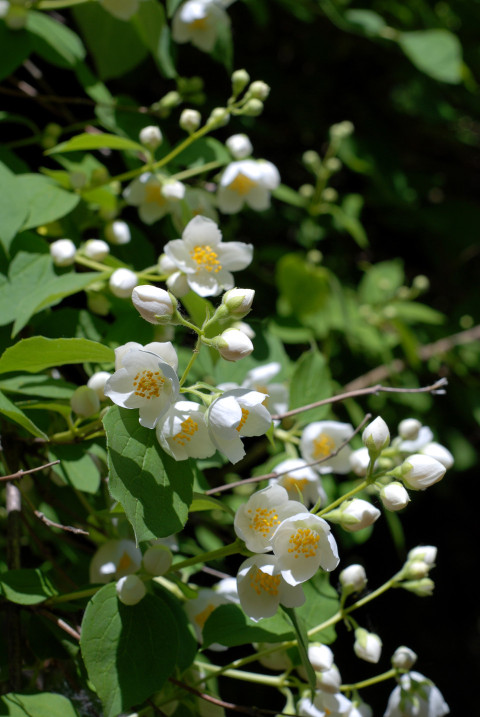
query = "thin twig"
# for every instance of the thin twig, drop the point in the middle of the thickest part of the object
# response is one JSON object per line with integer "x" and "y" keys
{"x": 75, "y": 101}
{"x": 266, "y": 476}
{"x": 60, "y": 623}
{"x": 21, "y": 473}
{"x": 51, "y": 524}
{"x": 438, "y": 387}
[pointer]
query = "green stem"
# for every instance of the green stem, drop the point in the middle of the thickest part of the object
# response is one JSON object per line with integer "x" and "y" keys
{"x": 271, "y": 680}
{"x": 376, "y": 593}
{"x": 93, "y": 264}
{"x": 372, "y": 681}
{"x": 193, "y": 358}
{"x": 231, "y": 549}
{"x": 187, "y": 173}
{"x": 346, "y": 496}
{"x": 69, "y": 597}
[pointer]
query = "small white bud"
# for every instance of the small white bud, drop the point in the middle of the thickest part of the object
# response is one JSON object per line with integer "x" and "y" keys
{"x": 353, "y": 578}
{"x": 63, "y": 252}
{"x": 367, "y": 646}
{"x": 219, "y": 116}
{"x": 239, "y": 146}
{"x": 238, "y": 301}
{"x": 151, "y": 137}
{"x": 341, "y": 130}
{"x": 97, "y": 383}
{"x": 417, "y": 569}
{"x": 253, "y": 107}
{"x": 259, "y": 90}
{"x": 394, "y": 496}
{"x": 190, "y": 120}
{"x": 245, "y": 328}
{"x": 359, "y": 461}
{"x": 427, "y": 553}
{"x": 118, "y": 232}
{"x": 130, "y": 590}
{"x": 122, "y": 282}
{"x": 357, "y": 514}
{"x": 157, "y": 560}
{"x": 85, "y": 401}
{"x": 422, "y": 588}
{"x": 96, "y": 249}
{"x": 240, "y": 79}
{"x": 173, "y": 190}
{"x": 233, "y": 345}
{"x": 376, "y": 436}
{"x": 320, "y": 656}
{"x": 439, "y": 452}
{"x": 178, "y": 284}
{"x": 404, "y": 658}
{"x": 153, "y": 304}
{"x": 329, "y": 680}
{"x": 419, "y": 471}
{"x": 408, "y": 429}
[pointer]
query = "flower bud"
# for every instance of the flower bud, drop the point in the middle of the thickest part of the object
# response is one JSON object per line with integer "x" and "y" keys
{"x": 173, "y": 190}
{"x": 376, "y": 436}
{"x": 96, "y": 249}
{"x": 253, "y": 107}
{"x": 367, "y": 646}
{"x": 178, "y": 284}
{"x": 353, "y": 579}
{"x": 439, "y": 452}
{"x": 16, "y": 17}
{"x": 259, "y": 90}
{"x": 320, "y": 656}
{"x": 122, "y": 282}
{"x": 157, "y": 560}
{"x": 240, "y": 79}
{"x": 329, "y": 680}
{"x": 244, "y": 328}
{"x": 233, "y": 345}
{"x": 330, "y": 194}
{"x": 239, "y": 146}
{"x": 85, "y": 401}
{"x": 408, "y": 429}
{"x": 277, "y": 661}
{"x": 422, "y": 588}
{"x": 238, "y": 302}
{"x": 419, "y": 471}
{"x": 168, "y": 101}
{"x": 97, "y": 383}
{"x": 190, "y": 120}
{"x": 341, "y": 130}
{"x": 394, "y": 496}
{"x": 151, "y": 137}
{"x": 130, "y": 590}
{"x": 153, "y": 304}
{"x": 219, "y": 116}
{"x": 357, "y": 514}
{"x": 117, "y": 232}
{"x": 98, "y": 303}
{"x": 416, "y": 570}
{"x": 427, "y": 553}
{"x": 63, "y": 252}
{"x": 404, "y": 658}
{"x": 359, "y": 461}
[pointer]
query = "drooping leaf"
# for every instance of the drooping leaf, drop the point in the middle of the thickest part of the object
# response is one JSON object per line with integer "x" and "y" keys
{"x": 43, "y": 704}
{"x": 76, "y": 467}
{"x": 26, "y": 587}
{"x": 38, "y": 353}
{"x": 42, "y": 386}
{"x": 310, "y": 383}
{"x": 13, "y": 413}
{"x": 96, "y": 141}
{"x": 54, "y": 41}
{"x": 370, "y": 21}
{"x": 437, "y": 53}
{"x": 302, "y": 646}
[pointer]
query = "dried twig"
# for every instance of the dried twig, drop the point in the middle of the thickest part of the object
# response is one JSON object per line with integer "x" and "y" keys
{"x": 60, "y": 623}
{"x": 21, "y": 473}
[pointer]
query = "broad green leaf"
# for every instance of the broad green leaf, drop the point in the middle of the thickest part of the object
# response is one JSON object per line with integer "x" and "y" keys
{"x": 304, "y": 287}
{"x": 205, "y": 502}
{"x": 96, "y": 141}
{"x": 187, "y": 643}
{"x": 129, "y": 650}
{"x": 54, "y": 41}
{"x": 229, "y": 626}
{"x": 413, "y": 312}
{"x": 381, "y": 282}
{"x": 26, "y": 271}
{"x": 42, "y": 386}
{"x": 310, "y": 382}
{"x": 38, "y": 353}
{"x": 76, "y": 467}
{"x": 149, "y": 22}
{"x": 302, "y": 646}
{"x": 13, "y": 413}
{"x": 16, "y": 47}
{"x": 105, "y": 109}
{"x": 44, "y": 199}
{"x": 370, "y": 21}
{"x": 26, "y": 587}
{"x": 172, "y": 5}
{"x": 321, "y": 603}
{"x": 154, "y": 489}
{"x": 13, "y": 209}
{"x": 437, "y": 53}
{"x": 43, "y": 704}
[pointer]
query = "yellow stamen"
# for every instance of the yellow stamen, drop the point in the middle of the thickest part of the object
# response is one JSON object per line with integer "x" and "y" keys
{"x": 148, "y": 384}
{"x": 304, "y": 542}
{"x": 189, "y": 428}
{"x": 199, "y": 24}
{"x": 203, "y": 616}
{"x": 323, "y": 445}
{"x": 290, "y": 483}
{"x": 242, "y": 184}
{"x": 206, "y": 258}
{"x": 262, "y": 582}
{"x": 153, "y": 193}
{"x": 125, "y": 562}
{"x": 264, "y": 520}
{"x": 245, "y": 414}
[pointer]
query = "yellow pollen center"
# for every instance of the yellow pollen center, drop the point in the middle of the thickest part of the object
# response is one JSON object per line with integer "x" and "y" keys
{"x": 203, "y": 616}
{"x": 206, "y": 258}
{"x": 124, "y": 562}
{"x": 304, "y": 542}
{"x": 245, "y": 413}
{"x": 199, "y": 24}
{"x": 153, "y": 193}
{"x": 264, "y": 520}
{"x": 242, "y": 184}
{"x": 189, "y": 428}
{"x": 148, "y": 384}
{"x": 289, "y": 483}
{"x": 263, "y": 389}
{"x": 262, "y": 582}
{"x": 323, "y": 445}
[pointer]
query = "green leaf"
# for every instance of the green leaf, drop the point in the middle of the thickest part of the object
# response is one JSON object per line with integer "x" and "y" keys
{"x": 205, "y": 502}
{"x": 437, "y": 53}
{"x": 54, "y": 41}
{"x": 310, "y": 382}
{"x": 321, "y": 603}
{"x": 96, "y": 141}
{"x": 304, "y": 287}
{"x": 13, "y": 413}
{"x": 370, "y": 21}
{"x": 289, "y": 196}
{"x": 204, "y": 150}
{"x": 129, "y": 651}
{"x": 154, "y": 489}
{"x": 13, "y": 209}
{"x": 42, "y": 386}
{"x": 381, "y": 282}
{"x": 43, "y": 704}
{"x": 26, "y": 587}
{"x": 44, "y": 199}
{"x": 172, "y": 5}
{"x": 76, "y": 467}
{"x": 16, "y": 47}
{"x": 302, "y": 645}
{"x": 229, "y": 626}
{"x": 413, "y": 312}
{"x": 187, "y": 643}
{"x": 38, "y": 353}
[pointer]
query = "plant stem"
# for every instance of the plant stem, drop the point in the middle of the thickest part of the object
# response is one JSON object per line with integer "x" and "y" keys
{"x": 231, "y": 549}
{"x": 69, "y": 597}
{"x": 371, "y": 681}
{"x": 343, "y": 497}
{"x": 271, "y": 680}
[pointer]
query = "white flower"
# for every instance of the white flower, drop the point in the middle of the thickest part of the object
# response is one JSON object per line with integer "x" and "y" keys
{"x": 121, "y": 9}
{"x": 357, "y": 514}
{"x": 199, "y": 22}
{"x": 205, "y": 259}
{"x": 303, "y": 543}
{"x": 114, "y": 559}
{"x": 424, "y": 436}
{"x": 261, "y": 588}
{"x": 320, "y": 656}
{"x": 164, "y": 350}
{"x": 151, "y": 137}
{"x": 183, "y": 432}
{"x": 359, "y": 461}
{"x": 329, "y": 680}
{"x": 122, "y": 282}
{"x": 227, "y": 587}
{"x": 376, "y": 436}
{"x": 367, "y": 646}
{"x": 239, "y": 146}
{"x": 256, "y": 521}
{"x": 419, "y": 471}
{"x": 233, "y": 345}
{"x": 353, "y": 578}
{"x": 333, "y": 705}
{"x": 259, "y": 379}
{"x": 322, "y": 438}
{"x": 190, "y": 120}
{"x": 130, "y": 590}
{"x": 157, "y": 559}
{"x": 85, "y": 401}
{"x": 97, "y": 382}
{"x": 145, "y": 382}
{"x": 409, "y": 428}
{"x": 235, "y": 414}
{"x": 96, "y": 249}
{"x": 118, "y": 232}
{"x": 153, "y": 304}
{"x": 404, "y": 658}
{"x": 153, "y": 196}
{"x": 416, "y": 696}
{"x": 394, "y": 496}
{"x": 299, "y": 480}
{"x": 248, "y": 181}
{"x": 63, "y": 252}
{"x": 439, "y": 452}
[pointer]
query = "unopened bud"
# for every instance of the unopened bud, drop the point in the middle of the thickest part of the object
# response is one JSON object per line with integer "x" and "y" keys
{"x": 408, "y": 429}
{"x": 155, "y": 305}
{"x": 357, "y": 514}
{"x": 359, "y": 461}
{"x": 253, "y": 108}
{"x": 367, "y": 646}
{"x": 404, "y": 658}
{"x": 422, "y": 588}
{"x": 157, "y": 560}
{"x": 353, "y": 579}
{"x": 118, "y": 232}
{"x": 238, "y": 302}
{"x": 96, "y": 249}
{"x": 341, "y": 130}
{"x": 259, "y": 90}
{"x": 394, "y": 496}
{"x": 376, "y": 437}
{"x": 419, "y": 471}
{"x": 85, "y": 402}
{"x": 320, "y": 657}
{"x": 233, "y": 345}
{"x": 190, "y": 120}
{"x": 329, "y": 194}
{"x": 439, "y": 452}
{"x": 130, "y": 590}
{"x": 151, "y": 137}
{"x": 169, "y": 101}
{"x": 63, "y": 252}
{"x": 416, "y": 570}
{"x": 421, "y": 283}
{"x": 239, "y": 146}
{"x": 219, "y": 116}
{"x": 97, "y": 383}
{"x": 122, "y": 282}
{"x": 329, "y": 680}
{"x": 427, "y": 553}
{"x": 240, "y": 79}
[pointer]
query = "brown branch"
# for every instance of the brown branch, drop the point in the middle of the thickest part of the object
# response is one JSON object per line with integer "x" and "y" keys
{"x": 73, "y": 100}
{"x": 60, "y": 623}
{"x": 438, "y": 388}
{"x": 50, "y": 523}
{"x": 266, "y": 476}
{"x": 21, "y": 473}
